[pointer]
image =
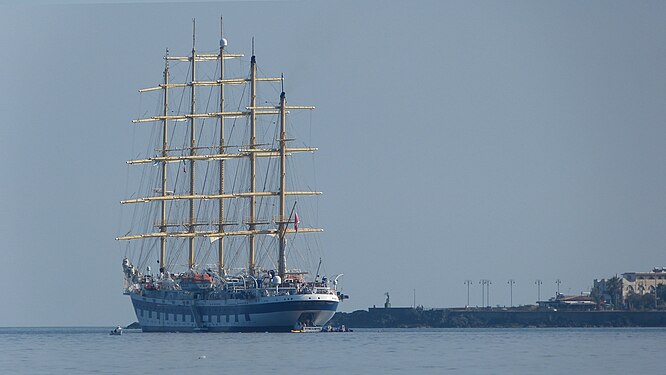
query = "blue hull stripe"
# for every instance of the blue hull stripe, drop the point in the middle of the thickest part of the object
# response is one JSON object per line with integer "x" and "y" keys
{"x": 260, "y": 308}
{"x": 218, "y": 329}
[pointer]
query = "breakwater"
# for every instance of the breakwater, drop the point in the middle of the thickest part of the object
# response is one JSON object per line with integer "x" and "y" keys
{"x": 407, "y": 317}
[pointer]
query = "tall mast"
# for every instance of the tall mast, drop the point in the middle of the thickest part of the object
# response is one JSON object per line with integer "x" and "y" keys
{"x": 164, "y": 163}
{"x": 220, "y": 250}
{"x": 193, "y": 144}
{"x": 253, "y": 152}
{"x": 282, "y": 259}
{"x": 253, "y": 156}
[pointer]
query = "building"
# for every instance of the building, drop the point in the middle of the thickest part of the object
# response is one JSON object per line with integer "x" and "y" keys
{"x": 630, "y": 283}
{"x": 581, "y": 302}
{"x": 643, "y": 282}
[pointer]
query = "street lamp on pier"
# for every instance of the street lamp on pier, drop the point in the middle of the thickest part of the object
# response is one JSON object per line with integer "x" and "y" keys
{"x": 511, "y": 283}
{"x": 485, "y": 291}
{"x": 468, "y": 283}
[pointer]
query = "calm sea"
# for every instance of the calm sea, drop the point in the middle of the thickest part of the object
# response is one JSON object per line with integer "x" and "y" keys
{"x": 394, "y": 351}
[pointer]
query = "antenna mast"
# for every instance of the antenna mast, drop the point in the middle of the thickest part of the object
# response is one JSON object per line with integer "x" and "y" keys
{"x": 253, "y": 157}
{"x": 223, "y": 43}
{"x": 163, "y": 226}
{"x": 193, "y": 145}
{"x": 282, "y": 261}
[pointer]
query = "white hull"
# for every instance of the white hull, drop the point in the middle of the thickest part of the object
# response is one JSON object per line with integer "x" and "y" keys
{"x": 273, "y": 313}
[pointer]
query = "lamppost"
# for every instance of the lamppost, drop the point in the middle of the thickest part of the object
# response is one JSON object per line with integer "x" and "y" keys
{"x": 468, "y": 282}
{"x": 511, "y": 283}
{"x": 538, "y": 284}
{"x": 558, "y": 282}
{"x": 485, "y": 291}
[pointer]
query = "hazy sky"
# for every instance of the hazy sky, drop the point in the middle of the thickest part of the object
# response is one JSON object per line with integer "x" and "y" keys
{"x": 459, "y": 140}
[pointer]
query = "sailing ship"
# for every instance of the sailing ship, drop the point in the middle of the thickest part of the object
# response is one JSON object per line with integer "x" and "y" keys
{"x": 194, "y": 208}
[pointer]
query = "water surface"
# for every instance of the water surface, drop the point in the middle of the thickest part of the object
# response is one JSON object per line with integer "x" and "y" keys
{"x": 388, "y": 351}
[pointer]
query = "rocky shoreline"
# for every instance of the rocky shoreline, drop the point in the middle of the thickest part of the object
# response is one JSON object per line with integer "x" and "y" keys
{"x": 495, "y": 318}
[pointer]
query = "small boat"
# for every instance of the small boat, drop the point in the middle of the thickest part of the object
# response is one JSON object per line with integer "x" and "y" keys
{"x": 116, "y": 331}
{"x": 341, "y": 328}
{"x": 306, "y": 329}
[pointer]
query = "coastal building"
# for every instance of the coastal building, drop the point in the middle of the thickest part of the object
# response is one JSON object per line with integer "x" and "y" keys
{"x": 643, "y": 282}
{"x": 582, "y": 302}
{"x": 630, "y": 283}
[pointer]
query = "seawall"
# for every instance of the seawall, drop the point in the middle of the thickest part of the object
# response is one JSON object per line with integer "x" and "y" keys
{"x": 481, "y": 318}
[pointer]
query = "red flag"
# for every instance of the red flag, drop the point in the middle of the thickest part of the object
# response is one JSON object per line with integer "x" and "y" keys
{"x": 296, "y": 221}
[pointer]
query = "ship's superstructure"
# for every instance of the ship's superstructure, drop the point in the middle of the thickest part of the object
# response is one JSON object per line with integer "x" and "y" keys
{"x": 211, "y": 190}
